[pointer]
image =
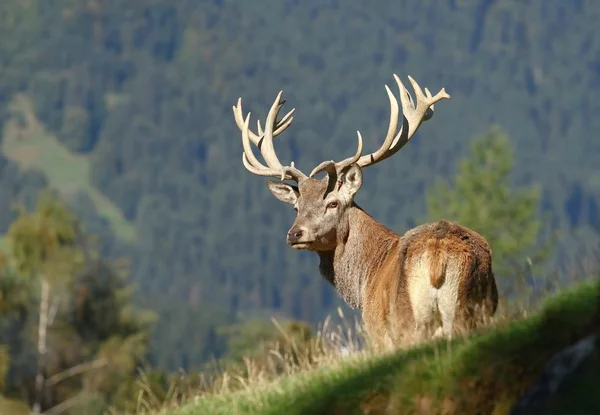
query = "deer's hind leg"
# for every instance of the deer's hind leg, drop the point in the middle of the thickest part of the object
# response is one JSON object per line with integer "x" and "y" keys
{"x": 448, "y": 300}
{"x": 423, "y": 298}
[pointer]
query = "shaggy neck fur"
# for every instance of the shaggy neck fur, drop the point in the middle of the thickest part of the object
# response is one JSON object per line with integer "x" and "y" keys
{"x": 362, "y": 246}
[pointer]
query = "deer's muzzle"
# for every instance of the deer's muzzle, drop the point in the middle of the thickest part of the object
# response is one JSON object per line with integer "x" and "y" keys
{"x": 298, "y": 237}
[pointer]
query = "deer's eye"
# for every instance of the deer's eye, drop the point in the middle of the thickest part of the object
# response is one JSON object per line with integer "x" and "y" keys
{"x": 295, "y": 209}
{"x": 332, "y": 205}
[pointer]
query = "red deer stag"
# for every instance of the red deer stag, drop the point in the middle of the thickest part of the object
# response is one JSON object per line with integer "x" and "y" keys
{"x": 403, "y": 284}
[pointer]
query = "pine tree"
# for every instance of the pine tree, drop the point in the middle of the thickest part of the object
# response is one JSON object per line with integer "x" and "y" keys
{"x": 483, "y": 199}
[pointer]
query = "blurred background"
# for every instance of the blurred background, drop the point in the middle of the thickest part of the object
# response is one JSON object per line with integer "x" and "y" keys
{"x": 131, "y": 234}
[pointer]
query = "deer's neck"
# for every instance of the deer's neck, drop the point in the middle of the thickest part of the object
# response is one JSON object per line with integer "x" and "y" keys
{"x": 361, "y": 250}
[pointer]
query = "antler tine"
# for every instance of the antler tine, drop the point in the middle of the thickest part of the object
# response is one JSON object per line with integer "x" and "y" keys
{"x": 292, "y": 173}
{"x": 414, "y": 113}
{"x": 249, "y": 159}
{"x": 266, "y": 144}
{"x": 264, "y": 141}
{"x": 429, "y": 112}
{"x": 380, "y": 154}
{"x": 423, "y": 105}
{"x": 265, "y": 171}
{"x": 332, "y": 168}
{"x": 281, "y": 126}
{"x": 239, "y": 120}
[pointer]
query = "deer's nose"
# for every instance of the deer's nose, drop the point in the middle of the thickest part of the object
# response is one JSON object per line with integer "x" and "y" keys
{"x": 294, "y": 235}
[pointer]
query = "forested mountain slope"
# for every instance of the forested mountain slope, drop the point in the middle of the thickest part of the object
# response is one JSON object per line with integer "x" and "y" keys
{"x": 140, "y": 92}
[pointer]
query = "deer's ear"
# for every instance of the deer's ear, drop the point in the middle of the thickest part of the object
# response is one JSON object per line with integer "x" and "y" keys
{"x": 284, "y": 192}
{"x": 352, "y": 180}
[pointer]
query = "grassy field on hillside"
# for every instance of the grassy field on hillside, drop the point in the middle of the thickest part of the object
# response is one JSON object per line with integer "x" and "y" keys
{"x": 26, "y": 142}
{"x": 482, "y": 374}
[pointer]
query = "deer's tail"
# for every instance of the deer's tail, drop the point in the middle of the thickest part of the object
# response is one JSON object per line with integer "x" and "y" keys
{"x": 438, "y": 264}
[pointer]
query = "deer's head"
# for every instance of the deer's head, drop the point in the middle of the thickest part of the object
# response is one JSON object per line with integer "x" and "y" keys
{"x": 321, "y": 207}
{"x": 322, "y": 204}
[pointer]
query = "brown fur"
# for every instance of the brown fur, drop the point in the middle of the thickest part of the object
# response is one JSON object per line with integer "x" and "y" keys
{"x": 469, "y": 252}
{"x": 439, "y": 263}
{"x": 386, "y": 303}
{"x": 390, "y": 276}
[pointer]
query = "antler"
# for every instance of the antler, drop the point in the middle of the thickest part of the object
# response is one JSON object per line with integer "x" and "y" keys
{"x": 413, "y": 116}
{"x": 264, "y": 141}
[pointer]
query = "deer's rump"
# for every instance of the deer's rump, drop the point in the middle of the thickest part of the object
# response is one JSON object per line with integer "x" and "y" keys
{"x": 447, "y": 276}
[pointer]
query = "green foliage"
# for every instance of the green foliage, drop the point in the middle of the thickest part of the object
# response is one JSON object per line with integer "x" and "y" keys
{"x": 14, "y": 290}
{"x": 44, "y": 242}
{"x": 96, "y": 337}
{"x": 483, "y": 199}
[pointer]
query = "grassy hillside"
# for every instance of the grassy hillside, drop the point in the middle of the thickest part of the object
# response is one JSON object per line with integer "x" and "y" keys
{"x": 26, "y": 142}
{"x": 484, "y": 374}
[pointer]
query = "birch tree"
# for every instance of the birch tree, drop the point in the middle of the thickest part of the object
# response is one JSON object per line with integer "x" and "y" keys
{"x": 44, "y": 249}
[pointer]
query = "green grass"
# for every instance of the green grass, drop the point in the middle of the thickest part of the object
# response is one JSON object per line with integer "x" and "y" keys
{"x": 26, "y": 142}
{"x": 484, "y": 373}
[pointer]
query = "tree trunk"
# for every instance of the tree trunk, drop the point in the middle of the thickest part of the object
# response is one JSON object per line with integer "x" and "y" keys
{"x": 42, "y": 330}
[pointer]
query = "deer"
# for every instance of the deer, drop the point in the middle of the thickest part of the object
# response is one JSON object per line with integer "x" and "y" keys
{"x": 431, "y": 281}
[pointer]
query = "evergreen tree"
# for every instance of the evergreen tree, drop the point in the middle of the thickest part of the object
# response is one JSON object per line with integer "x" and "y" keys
{"x": 482, "y": 198}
